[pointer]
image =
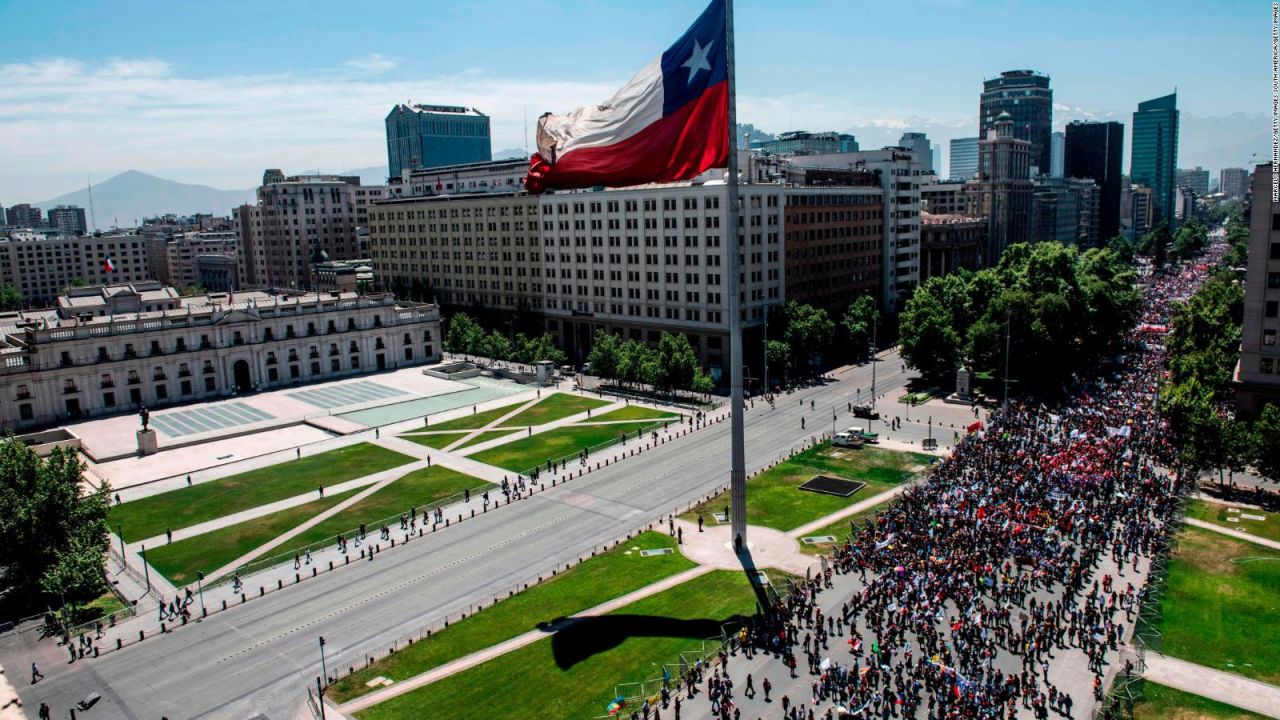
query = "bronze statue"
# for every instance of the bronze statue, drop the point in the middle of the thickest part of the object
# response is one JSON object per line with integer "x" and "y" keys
{"x": 145, "y": 415}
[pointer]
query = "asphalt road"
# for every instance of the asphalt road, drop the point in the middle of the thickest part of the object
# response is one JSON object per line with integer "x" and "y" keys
{"x": 259, "y": 658}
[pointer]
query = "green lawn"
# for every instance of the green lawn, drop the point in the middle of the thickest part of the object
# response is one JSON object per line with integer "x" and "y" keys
{"x": 560, "y": 405}
{"x": 597, "y": 580}
{"x": 419, "y": 489}
{"x": 151, "y": 516}
{"x": 1217, "y": 513}
{"x": 840, "y": 529}
{"x": 777, "y": 501}
{"x": 573, "y": 674}
{"x": 1220, "y": 613}
{"x": 179, "y": 561}
{"x": 1160, "y": 702}
{"x": 435, "y": 440}
{"x": 477, "y": 420}
{"x": 486, "y": 436}
{"x": 633, "y": 412}
{"x": 524, "y": 454}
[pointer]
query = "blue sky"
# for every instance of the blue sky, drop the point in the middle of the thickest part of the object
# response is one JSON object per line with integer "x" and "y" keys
{"x": 213, "y": 92}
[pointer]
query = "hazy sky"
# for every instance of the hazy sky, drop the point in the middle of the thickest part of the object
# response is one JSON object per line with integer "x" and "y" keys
{"x": 213, "y": 92}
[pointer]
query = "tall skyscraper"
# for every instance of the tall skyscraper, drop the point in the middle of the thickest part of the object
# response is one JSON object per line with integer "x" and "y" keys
{"x": 918, "y": 143}
{"x": 1154, "y": 160}
{"x": 1002, "y": 193}
{"x": 1095, "y": 150}
{"x": 1057, "y": 150}
{"x": 1197, "y": 179}
{"x": 1233, "y": 182}
{"x": 1026, "y": 96}
{"x": 1257, "y": 375}
{"x": 427, "y": 136}
{"x": 964, "y": 159}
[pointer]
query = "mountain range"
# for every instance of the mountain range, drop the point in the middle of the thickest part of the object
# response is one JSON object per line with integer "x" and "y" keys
{"x": 127, "y": 198}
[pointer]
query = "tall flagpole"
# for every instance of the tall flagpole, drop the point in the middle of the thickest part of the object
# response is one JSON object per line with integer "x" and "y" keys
{"x": 737, "y": 453}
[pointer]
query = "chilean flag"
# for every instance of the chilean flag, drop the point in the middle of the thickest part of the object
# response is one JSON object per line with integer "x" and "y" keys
{"x": 108, "y": 265}
{"x": 671, "y": 122}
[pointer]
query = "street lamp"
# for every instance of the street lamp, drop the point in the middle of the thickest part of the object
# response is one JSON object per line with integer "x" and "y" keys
{"x": 123, "y": 557}
{"x": 146, "y": 569}
{"x": 200, "y": 590}
{"x": 323, "y": 671}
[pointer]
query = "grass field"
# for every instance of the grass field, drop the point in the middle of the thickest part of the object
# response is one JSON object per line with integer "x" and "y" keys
{"x": 419, "y": 489}
{"x": 1220, "y": 613}
{"x": 476, "y": 421}
{"x": 777, "y": 502}
{"x": 435, "y": 440}
{"x": 1160, "y": 702}
{"x": 151, "y": 516}
{"x": 181, "y": 560}
{"x": 597, "y": 580}
{"x": 556, "y": 407}
{"x": 840, "y": 529}
{"x": 524, "y": 454}
{"x": 633, "y": 412}
{"x": 486, "y": 436}
{"x": 1220, "y": 514}
{"x": 573, "y": 673}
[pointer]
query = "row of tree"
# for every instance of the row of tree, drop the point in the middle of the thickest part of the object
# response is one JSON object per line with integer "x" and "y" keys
{"x": 803, "y": 335}
{"x": 466, "y": 337}
{"x": 670, "y": 367}
{"x": 53, "y": 535}
{"x": 1046, "y": 309}
{"x": 1203, "y": 346}
{"x": 10, "y": 298}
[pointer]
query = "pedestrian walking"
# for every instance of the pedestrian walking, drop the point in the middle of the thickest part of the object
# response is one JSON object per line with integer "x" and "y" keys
{"x": 36, "y": 675}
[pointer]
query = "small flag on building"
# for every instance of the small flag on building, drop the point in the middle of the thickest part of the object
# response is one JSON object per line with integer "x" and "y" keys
{"x": 108, "y": 265}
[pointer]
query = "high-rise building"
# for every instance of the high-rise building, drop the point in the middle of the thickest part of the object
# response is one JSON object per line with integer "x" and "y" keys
{"x": 950, "y": 242}
{"x": 24, "y": 215}
{"x": 1065, "y": 210}
{"x": 1257, "y": 374}
{"x": 1197, "y": 179}
{"x": 68, "y": 220}
{"x": 1057, "y": 152}
{"x": 295, "y": 218}
{"x": 40, "y": 267}
{"x": 428, "y": 136}
{"x": 1233, "y": 182}
{"x": 1002, "y": 191}
{"x": 918, "y": 143}
{"x": 964, "y": 159}
{"x": 833, "y": 244}
{"x": 1026, "y": 97}
{"x": 1095, "y": 150}
{"x": 1154, "y": 158}
{"x": 178, "y": 255}
{"x": 803, "y": 142}
{"x": 1141, "y": 210}
{"x": 4, "y": 218}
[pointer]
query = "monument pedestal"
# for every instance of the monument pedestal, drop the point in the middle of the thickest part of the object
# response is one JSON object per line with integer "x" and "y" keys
{"x": 964, "y": 384}
{"x": 147, "y": 442}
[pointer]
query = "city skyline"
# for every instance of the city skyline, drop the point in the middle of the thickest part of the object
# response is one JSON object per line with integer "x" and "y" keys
{"x": 217, "y": 108}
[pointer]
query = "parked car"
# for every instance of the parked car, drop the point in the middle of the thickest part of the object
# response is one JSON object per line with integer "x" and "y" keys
{"x": 848, "y": 438}
{"x": 865, "y": 411}
{"x": 871, "y": 437}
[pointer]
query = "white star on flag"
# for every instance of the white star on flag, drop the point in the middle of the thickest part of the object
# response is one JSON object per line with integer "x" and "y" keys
{"x": 698, "y": 60}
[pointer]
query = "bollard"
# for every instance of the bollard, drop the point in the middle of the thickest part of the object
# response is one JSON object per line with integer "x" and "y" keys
{"x": 279, "y": 583}
{"x": 141, "y": 636}
{"x": 393, "y": 540}
{"x": 473, "y": 512}
{"x": 119, "y": 643}
{"x": 330, "y": 564}
{"x": 242, "y": 598}
{"x": 297, "y": 578}
{"x": 261, "y": 591}
{"x": 346, "y": 559}
{"x": 163, "y": 629}
{"x": 204, "y": 612}
{"x": 95, "y": 651}
{"x": 446, "y": 522}
{"x": 224, "y": 603}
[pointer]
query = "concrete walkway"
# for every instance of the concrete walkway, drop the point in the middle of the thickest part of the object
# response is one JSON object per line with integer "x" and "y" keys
{"x": 1233, "y": 532}
{"x": 489, "y": 653}
{"x": 1225, "y": 687}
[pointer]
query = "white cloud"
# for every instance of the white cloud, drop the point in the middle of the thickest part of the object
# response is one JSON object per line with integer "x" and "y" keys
{"x": 373, "y": 63}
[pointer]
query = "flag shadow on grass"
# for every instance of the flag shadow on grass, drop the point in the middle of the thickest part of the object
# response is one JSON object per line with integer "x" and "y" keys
{"x": 578, "y": 639}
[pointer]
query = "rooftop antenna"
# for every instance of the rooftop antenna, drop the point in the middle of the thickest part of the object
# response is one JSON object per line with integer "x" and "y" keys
{"x": 93, "y": 221}
{"x": 525, "y": 109}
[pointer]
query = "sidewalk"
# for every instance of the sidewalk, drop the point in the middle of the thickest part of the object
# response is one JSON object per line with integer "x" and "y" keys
{"x": 366, "y": 701}
{"x": 1225, "y": 687}
{"x": 1232, "y": 532}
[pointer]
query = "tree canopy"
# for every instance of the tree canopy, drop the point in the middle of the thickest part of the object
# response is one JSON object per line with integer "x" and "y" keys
{"x": 1051, "y": 305}
{"x": 53, "y": 536}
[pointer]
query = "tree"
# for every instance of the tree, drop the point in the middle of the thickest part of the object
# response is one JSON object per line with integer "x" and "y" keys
{"x": 465, "y": 336}
{"x": 1204, "y": 336}
{"x": 677, "y": 363}
{"x": 1264, "y": 438}
{"x": 534, "y": 349}
{"x": 606, "y": 356}
{"x": 53, "y": 536}
{"x": 1190, "y": 240}
{"x": 930, "y": 343}
{"x": 1123, "y": 249}
{"x": 10, "y": 298}
{"x": 778, "y": 354}
{"x": 702, "y": 383}
{"x": 636, "y": 363}
{"x": 809, "y": 332}
{"x": 857, "y": 322}
{"x": 192, "y": 291}
{"x": 496, "y": 345}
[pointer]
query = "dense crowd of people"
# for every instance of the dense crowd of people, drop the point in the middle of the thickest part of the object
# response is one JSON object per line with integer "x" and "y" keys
{"x": 1011, "y": 554}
